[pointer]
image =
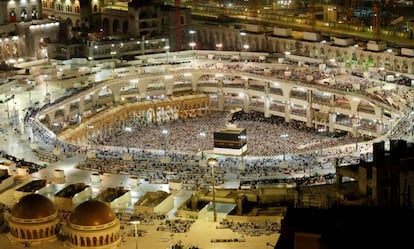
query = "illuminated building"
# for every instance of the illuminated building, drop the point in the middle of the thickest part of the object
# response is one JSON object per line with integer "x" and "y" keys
{"x": 93, "y": 224}
{"x": 33, "y": 220}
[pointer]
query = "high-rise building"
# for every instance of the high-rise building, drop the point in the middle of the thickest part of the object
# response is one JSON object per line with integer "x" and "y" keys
{"x": 97, "y": 29}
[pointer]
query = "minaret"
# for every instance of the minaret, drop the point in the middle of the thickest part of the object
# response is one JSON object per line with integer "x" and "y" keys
{"x": 85, "y": 15}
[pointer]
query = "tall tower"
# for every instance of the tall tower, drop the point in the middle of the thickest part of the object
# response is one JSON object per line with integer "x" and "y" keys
{"x": 311, "y": 12}
{"x": 350, "y": 6}
{"x": 3, "y": 12}
{"x": 178, "y": 29}
{"x": 376, "y": 23}
{"x": 254, "y": 6}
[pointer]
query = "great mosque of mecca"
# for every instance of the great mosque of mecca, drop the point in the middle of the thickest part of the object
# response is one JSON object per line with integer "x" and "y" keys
{"x": 209, "y": 81}
{"x": 187, "y": 92}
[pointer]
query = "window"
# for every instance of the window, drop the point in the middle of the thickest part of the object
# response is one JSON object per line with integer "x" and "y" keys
{"x": 12, "y": 17}
{"x": 34, "y": 13}
{"x": 23, "y": 15}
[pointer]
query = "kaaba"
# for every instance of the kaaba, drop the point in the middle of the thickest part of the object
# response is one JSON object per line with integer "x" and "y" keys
{"x": 230, "y": 141}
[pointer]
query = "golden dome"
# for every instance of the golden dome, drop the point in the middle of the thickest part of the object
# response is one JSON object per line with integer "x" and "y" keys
{"x": 92, "y": 213}
{"x": 33, "y": 206}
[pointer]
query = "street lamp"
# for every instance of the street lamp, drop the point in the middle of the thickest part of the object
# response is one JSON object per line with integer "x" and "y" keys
{"x": 390, "y": 131}
{"x": 30, "y": 92}
{"x": 167, "y": 51}
{"x": 8, "y": 109}
{"x": 284, "y": 136}
{"x": 242, "y": 34}
{"x": 246, "y": 47}
{"x": 192, "y": 32}
{"x": 164, "y": 132}
{"x": 356, "y": 125}
{"x": 219, "y": 46}
{"x": 11, "y": 62}
{"x": 213, "y": 162}
{"x": 15, "y": 117}
{"x": 321, "y": 131}
{"x": 243, "y": 139}
{"x": 202, "y": 136}
{"x": 32, "y": 130}
{"x": 135, "y": 223}
{"x": 46, "y": 84}
{"x": 389, "y": 52}
{"x": 88, "y": 135}
{"x": 192, "y": 45}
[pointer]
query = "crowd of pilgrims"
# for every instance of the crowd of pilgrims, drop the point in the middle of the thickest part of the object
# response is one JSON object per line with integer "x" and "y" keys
{"x": 263, "y": 135}
{"x": 264, "y": 157}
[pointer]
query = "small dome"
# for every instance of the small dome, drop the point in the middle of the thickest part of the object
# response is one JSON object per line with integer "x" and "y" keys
{"x": 92, "y": 213}
{"x": 33, "y": 206}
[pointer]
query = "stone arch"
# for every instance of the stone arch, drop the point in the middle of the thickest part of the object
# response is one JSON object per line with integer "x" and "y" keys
{"x": 366, "y": 107}
{"x": 35, "y": 234}
{"x": 284, "y": 46}
{"x": 78, "y": 25}
{"x": 59, "y": 113}
{"x": 125, "y": 27}
{"x": 342, "y": 102}
{"x": 70, "y": 27}
{"x": 216, "y": 38}
{"x": 370, "y": 61}
{"x": 353, "y": 59}
{"x": 105, "y": 92}
{"x": 322, "y": 53}
{"x": 115, "y": 26}
{"x": 298, "y": 45}
{"x": 345, "y": 56}
{"x": 298, "y": 93}
{"x": 46, "y": 120}
{"x": 291, "y": 45}
{"x": 23, "y": 14}
{"x": 329, "y": 53}
{"x": 363, "y": 61}
{"x": 306, "y": 50}
{"x": 223, "y": 39}
{"x": 378, "y": 61}
{"x": 404, "y": 66}
{"x": 105, "y": 26}
{"x": 339, "y": 56}
{"x": 395, "y": 65}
